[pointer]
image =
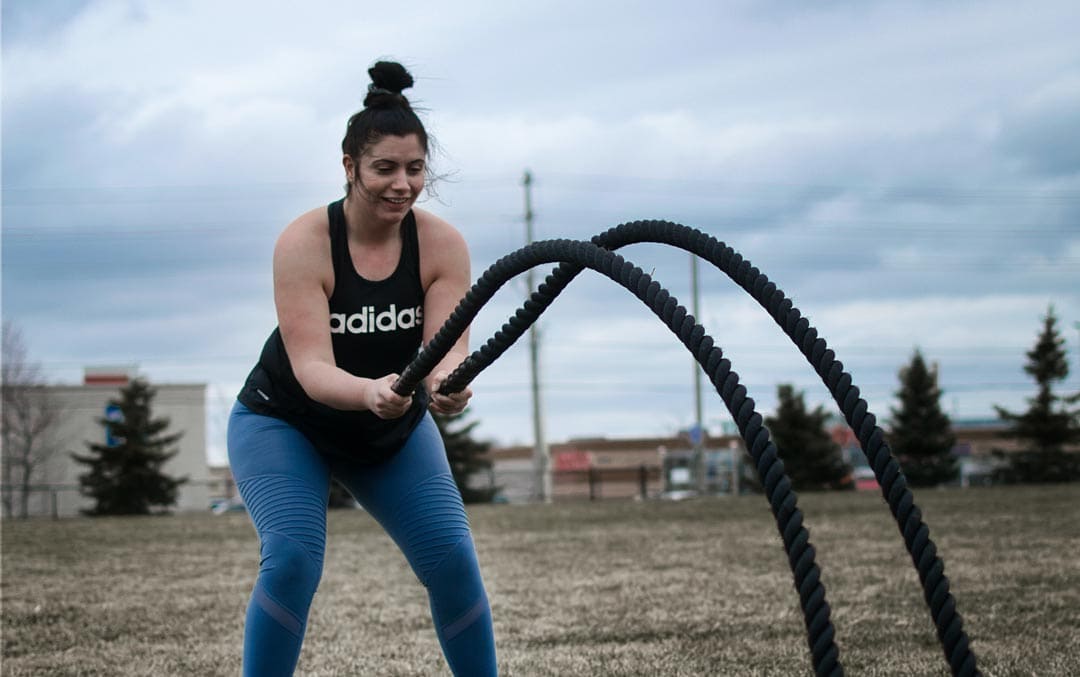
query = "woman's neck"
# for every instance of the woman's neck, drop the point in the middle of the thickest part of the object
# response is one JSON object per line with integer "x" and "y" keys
{"x": 362, "y": 224}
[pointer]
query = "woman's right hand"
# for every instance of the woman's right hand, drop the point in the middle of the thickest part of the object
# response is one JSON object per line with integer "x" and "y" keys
{"x": 383, "y": 401}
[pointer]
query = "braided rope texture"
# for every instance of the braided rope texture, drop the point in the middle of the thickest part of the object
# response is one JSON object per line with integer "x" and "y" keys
{"x": 782, "y": 499}
{"x": 916, "y": 534}
{"x": 923, "y": 551}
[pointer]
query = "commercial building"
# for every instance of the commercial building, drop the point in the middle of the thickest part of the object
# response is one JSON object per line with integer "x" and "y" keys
{"x": 54, "y": 486}
{"x": 597, "y": 468}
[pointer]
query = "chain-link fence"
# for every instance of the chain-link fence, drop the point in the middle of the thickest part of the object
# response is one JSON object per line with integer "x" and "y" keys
{"x": 57, "y": 500}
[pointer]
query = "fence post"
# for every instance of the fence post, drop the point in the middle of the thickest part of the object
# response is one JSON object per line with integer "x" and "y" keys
{"x": 53, "y": 504}
{"x": 593, "y": 481}
{"x": 643, "y": 481}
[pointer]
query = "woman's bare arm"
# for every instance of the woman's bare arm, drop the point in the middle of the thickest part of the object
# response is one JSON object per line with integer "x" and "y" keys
{"x": 445, "y": 259}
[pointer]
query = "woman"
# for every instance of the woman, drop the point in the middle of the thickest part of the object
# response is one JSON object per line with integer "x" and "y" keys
{"x": 358, "y": 286}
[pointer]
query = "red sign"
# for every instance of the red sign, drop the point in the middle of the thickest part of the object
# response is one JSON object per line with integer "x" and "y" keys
{"x": 572, "y": 460}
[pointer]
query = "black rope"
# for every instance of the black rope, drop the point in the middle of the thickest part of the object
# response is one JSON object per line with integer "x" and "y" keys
{"x": 782, "y": 499}
{"x": 923, "y": 552}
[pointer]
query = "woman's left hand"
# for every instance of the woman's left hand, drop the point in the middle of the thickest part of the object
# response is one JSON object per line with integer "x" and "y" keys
{"x": 447, "y": 405}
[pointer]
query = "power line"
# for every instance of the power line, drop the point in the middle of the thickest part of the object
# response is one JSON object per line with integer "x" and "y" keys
{"x": 596, "y": 183}
{"x": 612, "y": 183}
{"x": 676, "y": 388}
{"x": 944, "y": 265}
{"x": 811, "y": 229}
{"x": 584, "y": 346}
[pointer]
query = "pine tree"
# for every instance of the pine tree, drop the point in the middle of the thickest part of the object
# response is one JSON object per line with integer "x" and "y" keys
{"x": 921, "y": 434}
{"x": 467, "y": 457}
{"x": 1049, "y": 431}
{"x": 125, "y": 475}
{"x": 811, "y": 458}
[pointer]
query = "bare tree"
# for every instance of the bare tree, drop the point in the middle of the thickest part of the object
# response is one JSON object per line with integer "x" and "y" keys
{"x": 30, "y": 420}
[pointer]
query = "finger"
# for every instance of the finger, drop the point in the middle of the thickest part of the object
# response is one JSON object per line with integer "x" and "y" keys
{"x": 395, "y": 407}
{"x": 462, "y": 395}
{"x": 444, "y": 408}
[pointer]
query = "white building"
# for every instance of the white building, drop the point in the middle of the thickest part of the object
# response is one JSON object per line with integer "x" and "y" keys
{"x": 55, "y": 486}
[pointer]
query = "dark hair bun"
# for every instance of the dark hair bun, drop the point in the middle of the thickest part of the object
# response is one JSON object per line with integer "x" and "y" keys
{"x": 388, "y": 78}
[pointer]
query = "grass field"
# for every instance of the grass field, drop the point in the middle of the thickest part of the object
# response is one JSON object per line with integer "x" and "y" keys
{"x": 698, "y": 587}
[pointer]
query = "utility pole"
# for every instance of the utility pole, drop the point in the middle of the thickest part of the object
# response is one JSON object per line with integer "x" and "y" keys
{"x": 734, "y": 448}
{"x": 698, "y": 438}
{"x": 541, "y": 456}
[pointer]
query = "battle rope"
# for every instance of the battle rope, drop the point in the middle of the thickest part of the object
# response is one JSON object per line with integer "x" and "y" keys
{"x": 770, "y": 468}
{"x": 942, "y": 605}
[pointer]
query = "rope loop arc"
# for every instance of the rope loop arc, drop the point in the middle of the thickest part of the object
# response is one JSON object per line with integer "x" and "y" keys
{"x": 782, "y": 500}
{"x": 886, "y": 468}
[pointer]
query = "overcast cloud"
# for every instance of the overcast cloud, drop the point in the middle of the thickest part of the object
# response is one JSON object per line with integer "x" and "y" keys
{"x": 908, "y": 173}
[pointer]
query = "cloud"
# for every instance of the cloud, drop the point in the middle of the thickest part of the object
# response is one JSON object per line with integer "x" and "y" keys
{"x": 906, "y": 173}
{"x": 39, "y": 21}
{"x": 1040, "y": 132}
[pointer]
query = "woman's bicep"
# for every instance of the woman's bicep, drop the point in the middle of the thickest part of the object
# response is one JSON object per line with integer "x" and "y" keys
{"x": 301, "y": 301}
{"x": 451, "y": 280}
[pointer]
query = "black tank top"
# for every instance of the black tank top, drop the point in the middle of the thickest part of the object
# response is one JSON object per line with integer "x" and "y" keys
{"x": 376, "y": 328}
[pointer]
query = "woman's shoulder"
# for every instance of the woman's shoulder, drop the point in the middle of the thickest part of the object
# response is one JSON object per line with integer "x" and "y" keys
{"x": 443, "y": 252}
{"x": 435, "y": 233}
{"x": 303, "y": 250}
{"x": 312, "y": 228}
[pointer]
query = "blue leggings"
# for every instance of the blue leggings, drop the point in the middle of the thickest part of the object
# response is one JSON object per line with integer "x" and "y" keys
{"x": 285, "y": 482}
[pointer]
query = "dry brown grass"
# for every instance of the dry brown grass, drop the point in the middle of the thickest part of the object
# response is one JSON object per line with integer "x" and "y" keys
{"x": 613, "y": 588}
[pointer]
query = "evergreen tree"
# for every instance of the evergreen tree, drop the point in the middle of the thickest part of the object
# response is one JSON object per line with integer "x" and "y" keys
{"x": 467, "y": 457}
{"x": 125, "y": 474}
{"x": 921, "y": 434}
{"x": 1049, "y": 431}
{"x": 811, "y": 458}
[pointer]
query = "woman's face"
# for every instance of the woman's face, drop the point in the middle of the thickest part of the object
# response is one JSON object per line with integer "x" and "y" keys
{"x": 390, "y": 175}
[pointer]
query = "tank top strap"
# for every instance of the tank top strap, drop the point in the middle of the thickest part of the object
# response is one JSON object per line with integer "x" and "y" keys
{"x": 410, "y": 245}
{"x": 339, "y": 237}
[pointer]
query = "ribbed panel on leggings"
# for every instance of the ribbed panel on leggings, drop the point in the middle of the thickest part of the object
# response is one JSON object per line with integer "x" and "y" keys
{"x": 432, "y": 521}
{"x": 278, "y": 504}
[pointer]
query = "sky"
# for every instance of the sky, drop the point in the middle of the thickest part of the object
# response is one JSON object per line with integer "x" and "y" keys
{"x": 908, "y": 173}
